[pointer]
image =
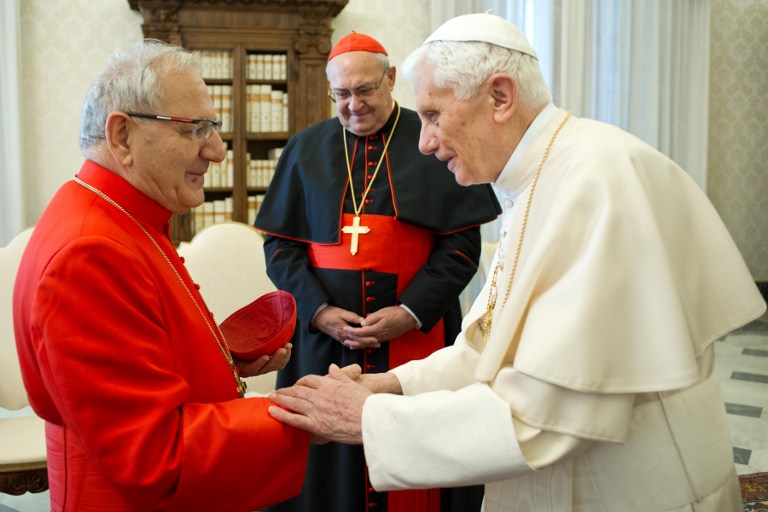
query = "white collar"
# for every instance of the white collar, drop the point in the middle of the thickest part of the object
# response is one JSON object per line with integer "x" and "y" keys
{"x": 512, "y": 180}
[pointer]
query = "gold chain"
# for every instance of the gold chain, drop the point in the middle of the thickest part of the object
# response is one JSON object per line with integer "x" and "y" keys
{"x": 378, "y": 166}
{"x": 241, "y": 386}
{"x": 493, "y": 291}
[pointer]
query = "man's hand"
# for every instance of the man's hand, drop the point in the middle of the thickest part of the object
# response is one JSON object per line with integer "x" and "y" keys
{"x": 264, "y": 364}
{"x": 383, "y": 325}
{"x": 374, "y": 382}
{"x": 329, "y": 407}
{"x": 334, "y": 322}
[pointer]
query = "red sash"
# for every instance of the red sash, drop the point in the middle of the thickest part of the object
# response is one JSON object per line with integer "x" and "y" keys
{"x": 395, "y": 248}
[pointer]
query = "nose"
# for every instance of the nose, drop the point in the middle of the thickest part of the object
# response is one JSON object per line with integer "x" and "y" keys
{"x": 354, "y": 103}
{"x": 214, "y": 149}
{"x": 427, "y": 140}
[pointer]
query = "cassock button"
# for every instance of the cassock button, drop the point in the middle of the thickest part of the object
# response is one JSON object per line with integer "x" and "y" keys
{"x": 371, "y": 147}
{"x": 370, "y": 299}
{"x": 370, "y": 283}
{"x": 368, "y": 201}
{"x": 373, "y": 505}
{"x": 371, "y": 489}
{"x": 197, "y": 286}
{"x": 182, "y": 259}
{"x": 370, "y": 176}
{"x": 371, "y": 164}
{"x": 370, "y": 367}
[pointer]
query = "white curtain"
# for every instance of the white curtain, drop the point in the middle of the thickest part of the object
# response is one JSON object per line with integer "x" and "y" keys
{"x": 11, "y": 204}
{"x": 642, "y": 65}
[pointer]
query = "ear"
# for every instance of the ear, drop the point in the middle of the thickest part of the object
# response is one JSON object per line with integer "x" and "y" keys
{"x": 117, "y": 132}
{"x": 504, "y": 94}
{"x": 392, "y": 74}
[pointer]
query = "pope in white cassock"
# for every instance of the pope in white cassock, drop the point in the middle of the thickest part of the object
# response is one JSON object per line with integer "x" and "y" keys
{"x": 583, "y": 377}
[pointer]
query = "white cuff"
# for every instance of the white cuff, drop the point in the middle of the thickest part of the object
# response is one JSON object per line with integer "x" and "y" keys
{"x": 440, "y": 439}
{"x": 418, "y": 322}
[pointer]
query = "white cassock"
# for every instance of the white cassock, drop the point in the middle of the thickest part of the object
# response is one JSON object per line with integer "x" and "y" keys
{"x": 596, "y": 390}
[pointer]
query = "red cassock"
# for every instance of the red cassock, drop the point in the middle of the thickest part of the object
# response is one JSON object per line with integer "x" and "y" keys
{"x": 142, "y": 409}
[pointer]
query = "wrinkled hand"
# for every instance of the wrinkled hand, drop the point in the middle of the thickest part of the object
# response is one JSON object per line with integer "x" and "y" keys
{"x": 265, "y": 364}
{"x": 329, "y": 407}
{"x": 383, "y": 325}
{"x": 353, "y": 371}
{"x": 374, "y": 382}
{"x": 334, "y": 321}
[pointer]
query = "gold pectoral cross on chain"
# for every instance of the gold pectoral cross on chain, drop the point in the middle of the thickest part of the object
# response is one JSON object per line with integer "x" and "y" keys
{"x": 355, "y": 230}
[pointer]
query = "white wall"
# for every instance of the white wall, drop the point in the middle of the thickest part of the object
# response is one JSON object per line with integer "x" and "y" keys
{"x": 64, "y": 44}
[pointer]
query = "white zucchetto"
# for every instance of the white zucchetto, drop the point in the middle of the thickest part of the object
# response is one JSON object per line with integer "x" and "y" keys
{"x": 486, "y": 28}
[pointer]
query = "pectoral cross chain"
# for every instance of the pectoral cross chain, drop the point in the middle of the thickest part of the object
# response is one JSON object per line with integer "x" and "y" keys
{"x": 355, "y": 230}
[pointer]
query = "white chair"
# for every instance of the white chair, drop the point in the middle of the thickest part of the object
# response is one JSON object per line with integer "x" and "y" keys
{"x": 227, "y": 261}
{"x": 23, "y": 466}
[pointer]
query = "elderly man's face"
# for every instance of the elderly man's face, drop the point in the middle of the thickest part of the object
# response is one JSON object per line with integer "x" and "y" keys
{"x": 459, "y": 132}
{"x": 169, "y": 165}
{"x": 361, "y": 114}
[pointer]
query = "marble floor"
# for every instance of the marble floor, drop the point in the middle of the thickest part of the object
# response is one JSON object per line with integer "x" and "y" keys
{"x": 741, "y": 363}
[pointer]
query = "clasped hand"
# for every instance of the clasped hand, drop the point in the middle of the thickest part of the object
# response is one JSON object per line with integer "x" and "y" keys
{"x": 378, "y": 327}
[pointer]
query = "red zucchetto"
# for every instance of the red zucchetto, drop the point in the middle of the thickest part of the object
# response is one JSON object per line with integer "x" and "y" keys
{"x": 355, "y": 42}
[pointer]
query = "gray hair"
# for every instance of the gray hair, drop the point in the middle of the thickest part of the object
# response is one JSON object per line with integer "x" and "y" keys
{"x": 383, "y": 60}
{"x": 464, "y": 66}
{"x": 129, "y": 84}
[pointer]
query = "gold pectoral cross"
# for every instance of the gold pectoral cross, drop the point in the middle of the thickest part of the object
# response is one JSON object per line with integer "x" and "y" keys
{"x": 355, "y": 230}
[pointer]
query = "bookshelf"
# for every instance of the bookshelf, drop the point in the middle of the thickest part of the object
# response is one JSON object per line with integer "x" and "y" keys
{"x": 259, "y": 54}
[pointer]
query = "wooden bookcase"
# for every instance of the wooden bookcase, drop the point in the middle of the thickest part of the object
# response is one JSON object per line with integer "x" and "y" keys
{"x": 298, "y": 29}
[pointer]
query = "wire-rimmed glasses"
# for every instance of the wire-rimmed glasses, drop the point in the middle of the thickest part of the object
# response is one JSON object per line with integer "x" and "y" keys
{"x": 363, "y": 92}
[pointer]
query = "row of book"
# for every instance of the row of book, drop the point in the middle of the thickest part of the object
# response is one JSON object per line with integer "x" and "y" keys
{"x": 221, "y": 210}
{"x": 262, "y": 66}
{"x": 259, "y": 173}
{"x": 261, "y": 170}
{"x": 218, "y": 65}
{"x": 221, "y": 174}
{"x": 266, "y": 109}
{"x": 221, "y": 96}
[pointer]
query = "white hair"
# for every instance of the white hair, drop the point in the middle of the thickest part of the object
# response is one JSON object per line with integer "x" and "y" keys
{"x": 464, "y": 66}
{"x": 129, "y": 83}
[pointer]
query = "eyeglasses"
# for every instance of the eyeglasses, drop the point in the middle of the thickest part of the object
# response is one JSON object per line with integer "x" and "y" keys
{"x": 201, "y": 130}
{"x": 363, "y": 92}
